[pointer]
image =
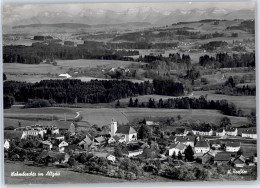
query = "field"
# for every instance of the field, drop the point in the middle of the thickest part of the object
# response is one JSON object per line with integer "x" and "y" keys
{"x": 66, "y": 176}
{"x": 246, "y": 103}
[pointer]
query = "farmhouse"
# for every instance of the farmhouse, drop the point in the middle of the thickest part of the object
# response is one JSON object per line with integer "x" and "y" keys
{"x": 186, "y": 140}
{"x": 239, "y": 162}
{"x": 232, "y": 146}
{"x": 132, "y": 150}
{"x": 176, "y": 148}
{"x": 249, "y": 133}
{"x": 221, "y": 132}
{"x": 150, "y": 122}
{"x": 181, "y": 132}
{"x": 207, "y": 157}
{"x": 31, "y": 133}
{"x": 203, "y": 131}
{"x": 201, "y": 147}
{"x": 47, "y": 144}
{"x": 87, "y": 141}
{"x": 222, "y": 158}
{"x": 231, "y": 131}
{"x": 126, "y": 132}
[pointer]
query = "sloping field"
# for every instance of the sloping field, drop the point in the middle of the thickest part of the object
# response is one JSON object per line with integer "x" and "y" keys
{"x": 93, "y": 63}
{"x": 246, "y": 103}
{"x": 103, "y": 116}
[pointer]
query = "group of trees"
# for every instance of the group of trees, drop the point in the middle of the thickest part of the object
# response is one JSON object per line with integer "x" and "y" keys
{"x": 230, "y": 88}
{"x": 76, "y": 91}
{"x": 223, "y": 60}
{"x": 191, "y": 103}
{"x": 213, "y": 45}
{"x": 38, "y": 52}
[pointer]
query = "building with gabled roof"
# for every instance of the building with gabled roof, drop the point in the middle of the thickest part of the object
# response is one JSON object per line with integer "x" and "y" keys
{"x": 176, "y": 148}
{"x": 202, "y": 131}
{"x": 186, "y": 140}
{"x": 249, "y": 133}
{"x": 239, "y": 162}
{"x": 132, "y": 150}
{"x": 125, "y": 132}
{"x": 207, "y": 157}
{"x": 201, "y": 146}
{"x": 231, "y": 131}
{"x": 232, "y": 146}
{"x": 222, "y": 158}
{"x": 221, "y": 132}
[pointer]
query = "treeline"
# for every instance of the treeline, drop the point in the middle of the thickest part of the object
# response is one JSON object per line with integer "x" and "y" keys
{"x": 190, "y": 103}
{"x": 38, "y": 52}
{"x": 76, "y": 91}
{"x": 248, "y": 26}
{"x": 141, "y": 45}
{"x": 224, "y": 60}
{"x": 230, "y": 88}
{"x": 197, "y": 35}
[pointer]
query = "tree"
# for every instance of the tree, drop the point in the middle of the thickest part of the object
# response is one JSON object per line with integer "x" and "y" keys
{"x": 174, "y": 155}
{"x": 240, "y": 151}
{"x": 179, "y": 117}
{"x": 224, "y": 122}
{"x": 118, "y": 151}
{"x": 189, "y": 154}
{"x": 4, "y": 76}
{"x": 131, "y": 103}
{"x": 144, "y": 132}
{"x": 118, "y": 103}
{"x": 179, "y": 156}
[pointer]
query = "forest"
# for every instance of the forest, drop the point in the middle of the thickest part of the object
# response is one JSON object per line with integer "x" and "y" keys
{"x": 76, "y": 91}
{"x": 224, "y": 60}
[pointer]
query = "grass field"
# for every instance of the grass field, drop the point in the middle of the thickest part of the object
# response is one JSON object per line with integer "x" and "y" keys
{"x": 93, "y": 63}
{"x": 103, "y": 116}
{"x": 246, "y": 103}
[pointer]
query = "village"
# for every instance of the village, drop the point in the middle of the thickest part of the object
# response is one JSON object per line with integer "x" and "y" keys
{"x": 65, "y": 145}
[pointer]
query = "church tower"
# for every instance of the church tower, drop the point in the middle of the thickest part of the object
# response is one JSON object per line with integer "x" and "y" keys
{"x": 113, "y": 127}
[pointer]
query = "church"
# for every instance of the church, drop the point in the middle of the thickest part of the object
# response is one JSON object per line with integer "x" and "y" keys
{"x": 124, "y": 132}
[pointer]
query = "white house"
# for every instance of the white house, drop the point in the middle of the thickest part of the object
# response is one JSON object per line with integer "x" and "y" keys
{"x": 201, "y": 147}
{"x": 66, "y": 75}
{"x": 231, "y": 131}
{"x": 31, "y": 133}
{"x": 202, "y": 131}
{"x": 7, "y": 144}
{"x": 176, "y": 148}
{"x": 249, "y": 133}
{"x": 62, "y": 146}
{"x": 232, "y": 146}
{"x": 221, "y": 132}
{"x": 126, "y": 132}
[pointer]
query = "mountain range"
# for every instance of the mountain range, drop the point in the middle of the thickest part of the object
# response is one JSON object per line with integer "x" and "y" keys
{"x": 140, "y": 14}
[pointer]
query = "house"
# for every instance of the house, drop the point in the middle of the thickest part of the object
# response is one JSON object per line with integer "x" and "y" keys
{"x": 100, "y": 140}
{"x": 215, "y": 144}
{"x": 186, "y": 140}
{"x": 62, "y": 146}
{"x": 31, "y": 133}
{"x": 207, "y": 157}
{"x": 222, "y": 158}
{"x": 47, "y": 144}
{"x": 239, "y": 162}
{"x": 202, "y": 131}
{"x": 201, "y": 146}
{"x": 176, "y": 148}
{"x": 111, "y": 157}
{"x": 59, "y": 137}
{"x": 126, "y": 132}
{"x": 221, "y": 132}
{"x": 66, "y": 75}
{"x": 231, "y": 131}
{"x": 132, "y": 150}
{"x": 249, "y": 133}
{"x": 232, "y": 146}
{"x": 7, "y": 144}
{"x": 181, "y": 132}
{"x": 149, "y": 122}
{"x": 89, "y": 140}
